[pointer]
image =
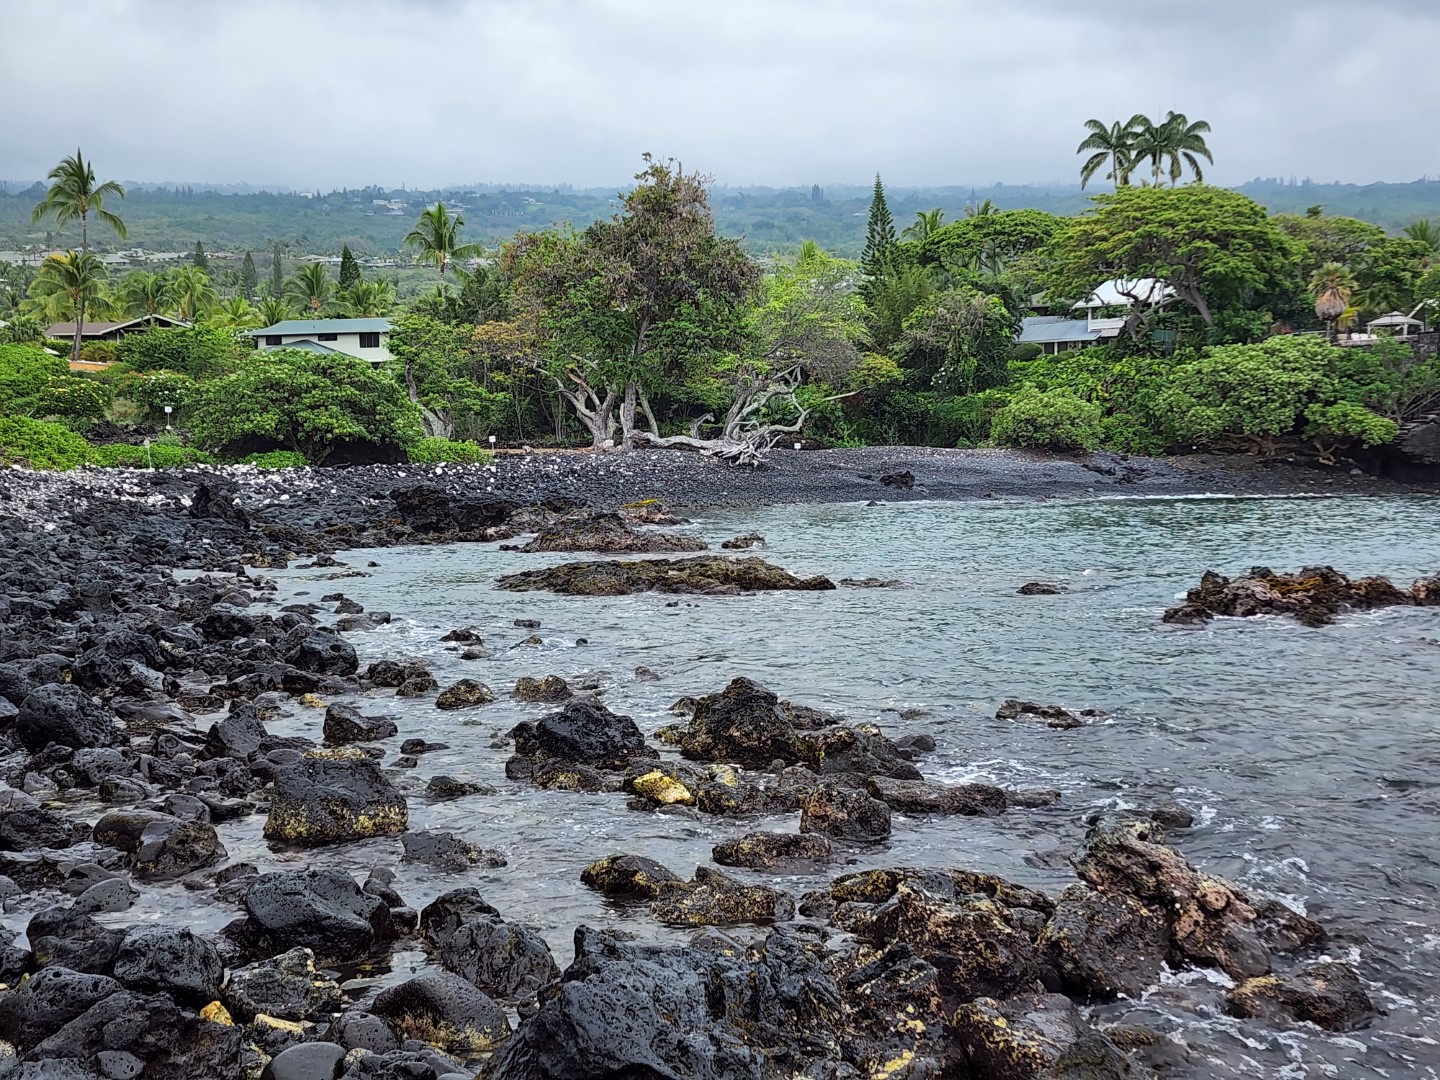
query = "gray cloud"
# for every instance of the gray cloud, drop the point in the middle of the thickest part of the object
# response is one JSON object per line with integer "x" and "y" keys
{"x": 325, "y": 93}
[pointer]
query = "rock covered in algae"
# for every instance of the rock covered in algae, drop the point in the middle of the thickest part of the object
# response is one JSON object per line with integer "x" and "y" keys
{"x": 334, "y": 795}
{"x": 713, "y": 575}
{"x": 608, "y": 533}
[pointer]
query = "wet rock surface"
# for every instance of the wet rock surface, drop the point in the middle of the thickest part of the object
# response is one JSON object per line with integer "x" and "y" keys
{"x": 609, "y": 534}
{"x": 706, "y": 576}
{"x": 332, "y": 796}
{"x": 1313, "y": 596}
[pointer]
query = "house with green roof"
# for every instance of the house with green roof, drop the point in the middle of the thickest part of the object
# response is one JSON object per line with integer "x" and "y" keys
{"x": 364, "y": 339}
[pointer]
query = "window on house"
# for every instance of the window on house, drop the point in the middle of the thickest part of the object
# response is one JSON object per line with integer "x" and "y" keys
{"x": 272, "y": 339}
{"x": 329, "y": 337}
{"x": 370, "y": 341}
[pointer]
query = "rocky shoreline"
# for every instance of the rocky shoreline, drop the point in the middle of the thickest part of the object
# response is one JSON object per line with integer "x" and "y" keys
{"x": 125, "y": 683}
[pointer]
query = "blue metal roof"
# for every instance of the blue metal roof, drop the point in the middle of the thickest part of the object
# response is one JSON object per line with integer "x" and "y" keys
{"x": 324, "y": 326}
{"x": 1051, "y": 329}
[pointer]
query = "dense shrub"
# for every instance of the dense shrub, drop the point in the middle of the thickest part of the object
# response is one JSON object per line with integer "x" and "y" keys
{"x": 435, "y": 451}
{"x": 38, "y": 444}
{"x": 201, "y": 352}
{"x": 276, "y": 459}
{"x": 151, "y": 391}
{"x": 161, "y": 455}
{"x": 305, "y": 402}
{"x": 24, "y": 369}
{"x": 1049, "y": 420}
{"x": 100, "y": 352}
{"x": 34, "y": 383}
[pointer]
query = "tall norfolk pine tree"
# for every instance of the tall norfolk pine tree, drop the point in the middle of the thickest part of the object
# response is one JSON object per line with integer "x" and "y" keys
{"x": 879, "y": 235}
{"x": 249, "y": 280}
{"x": 277, "y": 273}
{"x": 199, "y": 258}
{"x": 349, "y": 268}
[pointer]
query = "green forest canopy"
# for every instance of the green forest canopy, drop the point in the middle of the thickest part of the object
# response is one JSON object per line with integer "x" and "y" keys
{"x": 768, "y": 219}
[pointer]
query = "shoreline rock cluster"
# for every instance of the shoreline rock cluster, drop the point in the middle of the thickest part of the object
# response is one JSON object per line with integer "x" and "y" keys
{"x": 1312, "y": 597}
{"x": 124, "y": 683}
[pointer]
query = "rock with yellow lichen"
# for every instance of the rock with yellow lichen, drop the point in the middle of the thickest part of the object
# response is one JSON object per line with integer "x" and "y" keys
{"x": 763, "y": 851}
{"x": 663, "y": 789}
{"x": 444, "y": 1010}
{"x": 1018, "y": 1038}
{"x": 627, "y": 877}
{"x": 331, "y": 796}
{"x": 713, "y": 899}
{"x": 1104, "y": 944}
{"x": 1327, "y": 994}
{"x": 287, "y": 986}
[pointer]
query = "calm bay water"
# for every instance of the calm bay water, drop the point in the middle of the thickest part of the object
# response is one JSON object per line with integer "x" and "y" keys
{"x": 1311, "y": 758}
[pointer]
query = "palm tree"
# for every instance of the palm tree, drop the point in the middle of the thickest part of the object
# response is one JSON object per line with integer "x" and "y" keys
{"x": 1427, "y": 232}
{"x": 437, "y": 235}
{"x": 312, "y": 288}
{"x": 192, "y": 291}
{"x": 1170, "y": 146}
{"x": 927, "y": 223}
{"x": 145, "y": 293}
{"x": 984, "y": 208}
{"x": 1333, "y": 286}
{"x": 69, "y": 285}
{"x": 73, "y": 194}
{"x": 368, "y": 299}
{"x": 274, "y": 309}
{"x": 1113, "y": 143}
{"x": 237, "y": 312}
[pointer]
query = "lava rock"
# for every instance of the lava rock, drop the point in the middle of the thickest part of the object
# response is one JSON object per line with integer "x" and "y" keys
{"x": 923, "y": 797}
{"x": 713, "y": 899}
{"x": 161, "y": 847}
{"x": 333, "y": 796}
{"x": 1018, "y": 1038}
{"x": 762, "y": 851}
{"x": 446, "y": 851}
{"x": 702, "y": 575}
{"x": 441, "y": 1008}
{"x": 306, "y": 1061}
{"x": 1104, "y": 945}
{"x": 464, "y": 694}
{"x": 583, "y": 731}
{"x": 323, "y": 910}
{"x": 552, "y": 689}
{"x": 63, "y": 714}
{"x": 47, "y": 1001}
{"x": 1054, "y": 715}
{"x": 64, "y": 937}
{"x": 627, "y": 877}
{"x": 607, "y": 533}
{"x": 317, "y": 650}
{"x": 1041, "y": 588}
{"x": 510, "y": 962}
{"x": 285, "y": 986}
{"x": 167, "y": 1041}
{"x": 844, "y": 815}
{"x": 169, "y": 959}
{"x": 1327, "y": 994}
{"x": 345, "y": 724}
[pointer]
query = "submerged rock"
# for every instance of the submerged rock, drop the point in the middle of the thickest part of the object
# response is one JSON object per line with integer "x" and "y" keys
{"x": 742, "y": 543}
{"x": 1041, "y": 588}
{"x": 465, "y": 694}
{"x": 1327, "y": 994}
{"x": 924, "y": 797}
{"x": 627, "y": 877}
{"x": 704, "y": 575}
{"x": 446, "y": 851}
{"x": 1055, "y": 716}
{"x": 608, "y": 534}
{"x": 332, "y": 796}
{"x": 1313, "y": 596}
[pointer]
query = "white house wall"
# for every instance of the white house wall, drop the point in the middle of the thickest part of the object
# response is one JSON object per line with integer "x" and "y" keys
{"x": 349, "y": 344}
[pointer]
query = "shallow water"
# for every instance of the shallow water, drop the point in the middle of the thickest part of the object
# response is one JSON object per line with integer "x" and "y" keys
{"x": 1308, "y": 756}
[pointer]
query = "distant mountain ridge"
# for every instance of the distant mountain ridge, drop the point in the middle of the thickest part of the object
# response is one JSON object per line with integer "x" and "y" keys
{"x": 373, "y": 220}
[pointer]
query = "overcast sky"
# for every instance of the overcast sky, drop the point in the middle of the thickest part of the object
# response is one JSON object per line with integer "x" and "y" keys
{"x": 332, "y": 93}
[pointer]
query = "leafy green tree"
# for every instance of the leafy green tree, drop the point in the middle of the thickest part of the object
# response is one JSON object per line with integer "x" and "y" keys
{"x": 151, "y": 391}
{"x": 892, "y": 297}
{"x": 436, "y": 236}
{"x": 1389, "y": 274}
{"x": 195, "y": 296}
{"x": 200, "y": 261}
{"x": 144, "y": 292}
{"x": 1427, "y": 232}
{"x": 443, "y": 374}
{"x": 810, "y": 315}
{"x": 1112, "y": 144}
{"x": 277, "y": 273}
{"x": 1321, "y": 238}
{"x": 1215, "y": 248}
{"x": 879, "y": 235}
{"x": 306, "y": 402}
{"x": 349, "y": 269}
{"x": 986, "y": 243}
{"x": 311, "y": 288}
{"x": 249, "y": 280}
{"x": 482, "y": 297}
{"x": 201, "y": 352}
{"x": 1047, "y": 420}
{"x": 22, "y": 328}
{"x": 73, "y": 194}
{"x": 958, "y": 341}
{"x": 69, "y": 285}
{"x": 637, "y": 301}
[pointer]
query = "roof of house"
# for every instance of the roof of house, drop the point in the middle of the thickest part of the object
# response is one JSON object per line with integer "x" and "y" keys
{"x": 1049, "y": 329}
{"x": 309, "y": 346}
{"x": 304, "y": 327}
{"x": 1122, "y": 293}
{"x": 99, "y": 329}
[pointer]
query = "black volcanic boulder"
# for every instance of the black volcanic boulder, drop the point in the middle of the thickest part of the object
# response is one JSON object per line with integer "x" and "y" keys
{"x": 761, "y": 851}
{"x": 1018, "y": 1038}
{"x": 713, "y": 899}
{"x": 333, "y": 795}
{"x": 133, "y": 1034}
{"x": 706, "y": 574}
{"x": 627, "y": 877}
{"x": 318, "y": 650}
{"x": 1327, "y": 994}
{"x": 1104, "y": 944}
{"x": 238, "y": 735}
{"x": 285, "y": 986}
{"x": 607, "y": 533}
{"x": 346, "y": 724}
{"x": 843, "y": 814}
{"x": 1313, "y": 596}
{"x": 161, "y": 847}
{"x": 441, "y": 1008}
{"x": 47, "y": 1001}
{"x": 65, "y": 937}
{"x": 26, "y": 825}
{"x": 170, "y": 959}
{"x": 924, "y": 797}
{"x": 583, "y": 732}
{"x": 64, "y": 714}
{"x": 322, "y": 910}
{"x": 743, "y": 724}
